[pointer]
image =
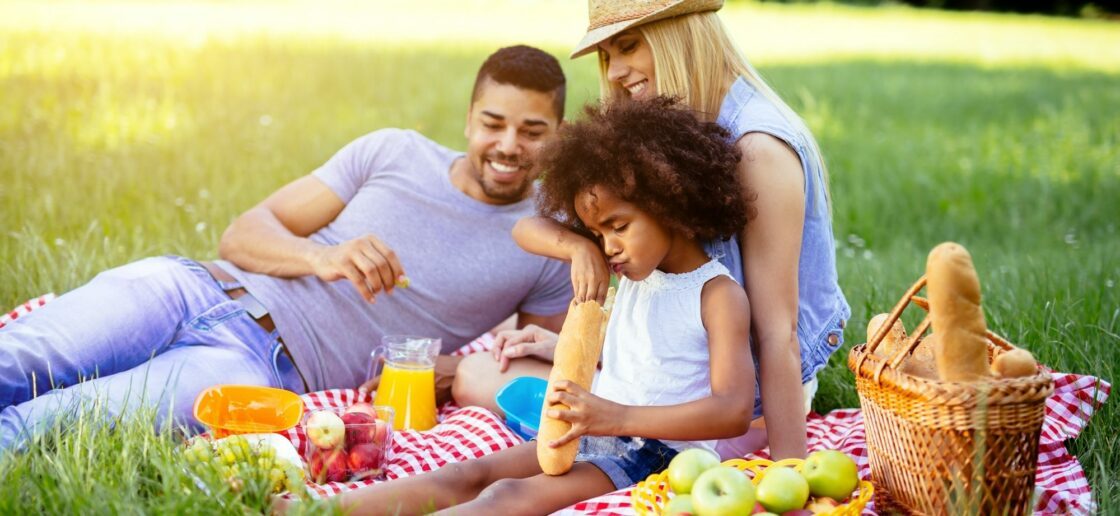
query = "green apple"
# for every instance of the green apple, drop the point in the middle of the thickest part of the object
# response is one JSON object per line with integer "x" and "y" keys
{"x": 782, "y": 489}
{"x": 722, "y": 491}
{"x": 687, "y": 466}
{"x": 831, "y": 473}
{"x": 680, "y": 505}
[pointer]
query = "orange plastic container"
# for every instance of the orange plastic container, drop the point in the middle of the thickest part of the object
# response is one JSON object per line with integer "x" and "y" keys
{"x": 245, "y": 409}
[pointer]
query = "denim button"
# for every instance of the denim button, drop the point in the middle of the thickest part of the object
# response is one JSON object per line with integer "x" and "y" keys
{"x": 833, "y": 339}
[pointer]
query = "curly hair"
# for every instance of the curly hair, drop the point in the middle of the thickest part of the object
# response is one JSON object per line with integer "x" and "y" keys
{"x": 654, "y": 154}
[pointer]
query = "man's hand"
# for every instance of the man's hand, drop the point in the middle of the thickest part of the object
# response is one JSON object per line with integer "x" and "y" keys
{"x": 369, "y": 264}
{"x": 589, "y": 414}
{"x": 444, "y": 377}
{"x": 531, "y": 340}
{"x": 590, "y": 275}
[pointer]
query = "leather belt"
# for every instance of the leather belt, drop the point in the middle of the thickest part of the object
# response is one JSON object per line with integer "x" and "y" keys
{"x": 255, "y": 309}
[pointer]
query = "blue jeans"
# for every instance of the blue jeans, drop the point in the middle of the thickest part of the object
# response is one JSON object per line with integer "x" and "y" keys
{"x": 154, "y": 333}
{"x": 626, "y": 460}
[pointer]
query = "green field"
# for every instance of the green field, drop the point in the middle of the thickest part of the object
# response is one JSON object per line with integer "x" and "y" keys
{"x": 132, "y": 129}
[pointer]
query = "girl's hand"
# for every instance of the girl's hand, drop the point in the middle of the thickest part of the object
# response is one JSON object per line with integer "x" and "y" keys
{"x": 531, "y": 340}
{"x": 590, "y": 275}
{"x": 588, "y": 413}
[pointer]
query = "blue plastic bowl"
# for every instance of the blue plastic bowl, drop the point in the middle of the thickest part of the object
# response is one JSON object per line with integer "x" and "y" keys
{"x": 521, "y": 399}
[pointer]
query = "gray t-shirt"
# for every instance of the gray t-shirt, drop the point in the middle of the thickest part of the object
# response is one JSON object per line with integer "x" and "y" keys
{"x": 467, "y": 274}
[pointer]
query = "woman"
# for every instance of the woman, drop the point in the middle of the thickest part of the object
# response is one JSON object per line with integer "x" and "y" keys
{"x": 785, "y": 258}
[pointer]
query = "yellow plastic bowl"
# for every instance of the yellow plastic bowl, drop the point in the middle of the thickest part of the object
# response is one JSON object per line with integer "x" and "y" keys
{"x": 247, "y": 409}
{"x": 651, "y": 494}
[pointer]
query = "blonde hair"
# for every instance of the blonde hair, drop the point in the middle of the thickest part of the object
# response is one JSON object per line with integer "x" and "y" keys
{"x": 696, "y": 60}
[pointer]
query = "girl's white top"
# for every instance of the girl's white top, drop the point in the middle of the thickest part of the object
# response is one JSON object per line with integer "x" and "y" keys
{"x": 656, "y": 348}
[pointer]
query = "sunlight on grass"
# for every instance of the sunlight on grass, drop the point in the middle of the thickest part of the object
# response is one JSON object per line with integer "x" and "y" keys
{"x": 770, "y": 33}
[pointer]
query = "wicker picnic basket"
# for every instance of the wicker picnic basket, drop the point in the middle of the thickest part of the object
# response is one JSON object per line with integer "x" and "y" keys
{"x": 943, "y": 447}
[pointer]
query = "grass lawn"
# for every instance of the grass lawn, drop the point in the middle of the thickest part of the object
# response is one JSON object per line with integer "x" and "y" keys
{"x": 131, "y": 129}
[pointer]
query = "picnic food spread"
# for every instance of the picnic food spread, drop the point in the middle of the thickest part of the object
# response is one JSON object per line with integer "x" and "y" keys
{"x": 577, "y": 352}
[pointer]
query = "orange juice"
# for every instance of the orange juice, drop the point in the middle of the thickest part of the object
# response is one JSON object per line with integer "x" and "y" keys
{"x": 411, "y": 391}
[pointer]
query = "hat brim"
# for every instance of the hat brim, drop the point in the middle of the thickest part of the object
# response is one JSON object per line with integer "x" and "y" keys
{"x": 593, "y": 37}
{"x": 601, "y": 34}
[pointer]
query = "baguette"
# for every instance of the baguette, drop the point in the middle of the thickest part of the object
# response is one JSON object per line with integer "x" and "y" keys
{"x": 1013, "y": 364}
{"x": 577, "y": 352}
{"x": 955, "y": 314}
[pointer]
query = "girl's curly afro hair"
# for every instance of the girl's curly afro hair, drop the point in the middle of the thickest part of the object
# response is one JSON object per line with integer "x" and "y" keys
{"x": 654, "y": 154}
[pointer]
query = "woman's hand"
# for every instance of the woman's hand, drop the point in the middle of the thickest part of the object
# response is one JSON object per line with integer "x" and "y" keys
{"x": 531, "y": 340}
{"x": 590, "y": 275}
{"x": 588, "y": 413}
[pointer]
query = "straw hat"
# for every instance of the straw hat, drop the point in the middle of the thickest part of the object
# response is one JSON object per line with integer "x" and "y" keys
{"x": 609, "y": 17}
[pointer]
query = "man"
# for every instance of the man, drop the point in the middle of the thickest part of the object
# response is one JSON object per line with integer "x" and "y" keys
{"x": 307, "y": 287}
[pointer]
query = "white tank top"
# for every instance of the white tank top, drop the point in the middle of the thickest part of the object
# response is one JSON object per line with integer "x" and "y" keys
{"x": 656, "y": 348}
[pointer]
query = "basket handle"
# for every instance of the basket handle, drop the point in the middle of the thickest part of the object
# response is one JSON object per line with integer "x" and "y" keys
{"x": 912, "y": 341}
{"x": 896, "y": 312}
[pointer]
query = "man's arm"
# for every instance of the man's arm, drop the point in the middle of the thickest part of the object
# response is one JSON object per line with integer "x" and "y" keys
{"x": 549, "y": 322}
{"x": 271, "y": 238}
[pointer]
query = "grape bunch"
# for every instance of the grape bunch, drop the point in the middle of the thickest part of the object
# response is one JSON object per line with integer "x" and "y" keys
{"x": 243, "y": 466}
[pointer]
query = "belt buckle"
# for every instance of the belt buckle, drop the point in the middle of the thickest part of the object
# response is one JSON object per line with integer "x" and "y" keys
{"x": 251, "y": 305}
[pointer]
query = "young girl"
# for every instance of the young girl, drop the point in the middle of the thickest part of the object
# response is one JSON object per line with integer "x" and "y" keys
{"x": 647, "y": 181}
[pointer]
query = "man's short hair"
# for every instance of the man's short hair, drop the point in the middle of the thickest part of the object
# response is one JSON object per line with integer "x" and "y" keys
{"x": 524, "y": 67}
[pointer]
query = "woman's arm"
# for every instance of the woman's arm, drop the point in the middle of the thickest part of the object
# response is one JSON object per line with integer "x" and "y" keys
{"x": 546, "y": 237}
{"x": 726, "y": 413}
{"x": 771, "y": 249}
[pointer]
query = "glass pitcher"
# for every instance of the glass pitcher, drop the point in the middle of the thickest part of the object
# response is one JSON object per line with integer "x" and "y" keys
{"x": 407, "y": 379}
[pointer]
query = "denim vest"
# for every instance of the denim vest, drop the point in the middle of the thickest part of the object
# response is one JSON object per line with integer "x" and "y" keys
{"x": 821, "y": 307}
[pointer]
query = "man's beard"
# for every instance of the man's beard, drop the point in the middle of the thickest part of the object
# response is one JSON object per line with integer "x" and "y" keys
{"x": 506, "y": 192}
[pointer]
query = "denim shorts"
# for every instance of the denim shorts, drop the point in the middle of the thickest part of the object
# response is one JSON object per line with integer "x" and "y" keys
{"x": 626, "y": 460}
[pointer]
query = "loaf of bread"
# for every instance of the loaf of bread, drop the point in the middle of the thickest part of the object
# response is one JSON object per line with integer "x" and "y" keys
{"x": 955, "y": 314}
{"x": 1013, "y": 364}
{"x": 922, "y": 362}
{"x": 919, "y": 363}
{"x": 893, "y": 340}
{"x": 577, "y": 353}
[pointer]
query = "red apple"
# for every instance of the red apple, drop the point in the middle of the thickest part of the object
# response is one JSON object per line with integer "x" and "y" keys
{"x": 362, "y": 408}
{"x": 798, "y": 512}
{"x": 382, "y": 433}
{"x": 325, "y": 429}
{"x": 360, "y": 428}
{"x": 822, "y": 504}
{"x": 365, "y": 459}
{"x": 329, "y": 466}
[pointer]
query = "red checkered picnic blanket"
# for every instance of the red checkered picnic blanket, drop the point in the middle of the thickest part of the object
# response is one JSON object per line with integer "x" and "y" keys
{"x": 471, "y": 432}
